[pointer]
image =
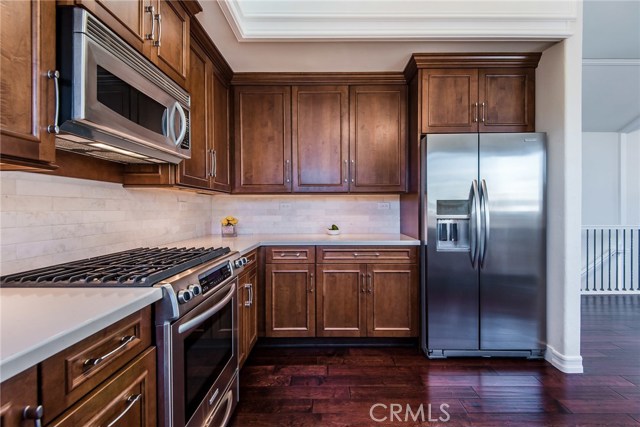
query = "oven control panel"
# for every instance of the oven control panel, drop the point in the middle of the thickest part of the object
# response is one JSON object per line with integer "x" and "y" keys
{"x": 211, "y": 279}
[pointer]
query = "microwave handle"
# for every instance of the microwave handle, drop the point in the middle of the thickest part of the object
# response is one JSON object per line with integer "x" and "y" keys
{"x": 183, "y": 123}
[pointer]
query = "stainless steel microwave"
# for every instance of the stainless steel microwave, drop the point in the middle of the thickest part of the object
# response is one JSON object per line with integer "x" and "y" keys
{"x": 113, "y": 102}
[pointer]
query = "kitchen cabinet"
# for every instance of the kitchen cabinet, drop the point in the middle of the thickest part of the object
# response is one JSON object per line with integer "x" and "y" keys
{"x": 378, "y": 140}
{"x": 289, "y": 292}
{"x": 262, "y": 122}
{"x": 159, "y": 29}
{"x": 463, "y": 100}
{"x": 320, "y": 138}
{"x": 208, "y": 168}
{"x": 28, "y": 60}
{"x": 360, "y": 297}
{"x": 247, "y": 310}
{"x": 17, "y": 394}
{"x": 129, "y": 398}
{"x": 92, "y": 361}
{"x": 367, "y": 292}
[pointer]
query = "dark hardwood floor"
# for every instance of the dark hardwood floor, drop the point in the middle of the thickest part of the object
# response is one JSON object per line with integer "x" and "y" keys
{"x": 338, "y": 386}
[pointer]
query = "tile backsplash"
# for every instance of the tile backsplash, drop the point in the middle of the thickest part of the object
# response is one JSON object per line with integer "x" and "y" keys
{"x": 302, "y": 214}
{"x": 45, "y": 220}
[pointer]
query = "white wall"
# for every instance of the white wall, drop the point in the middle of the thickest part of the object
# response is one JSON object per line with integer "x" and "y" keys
{"x": 630, "y": 149}
{"x": 600, "y": 178}
{"x": 558, "y": 112}
{"x": 285, "y": 214}
{"x": 47, "y": 220}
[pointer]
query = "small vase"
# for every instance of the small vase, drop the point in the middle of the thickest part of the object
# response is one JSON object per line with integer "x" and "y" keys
{"x": 229, "y": 231}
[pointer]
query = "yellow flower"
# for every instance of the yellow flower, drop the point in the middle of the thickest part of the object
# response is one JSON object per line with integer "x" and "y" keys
{"x": 229, "y": 220}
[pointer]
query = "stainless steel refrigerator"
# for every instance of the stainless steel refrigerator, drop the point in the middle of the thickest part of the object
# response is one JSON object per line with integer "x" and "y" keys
{"x": 483, "y": 214}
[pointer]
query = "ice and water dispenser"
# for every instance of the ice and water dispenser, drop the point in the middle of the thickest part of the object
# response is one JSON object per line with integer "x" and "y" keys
{"x": 452, "y": 219}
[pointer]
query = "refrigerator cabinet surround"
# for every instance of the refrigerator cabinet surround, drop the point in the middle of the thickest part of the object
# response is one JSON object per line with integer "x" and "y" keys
{"x": 484, "y": 231}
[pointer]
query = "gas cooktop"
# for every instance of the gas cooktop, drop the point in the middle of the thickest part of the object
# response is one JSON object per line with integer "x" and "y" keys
{"x": 141, "y": 267}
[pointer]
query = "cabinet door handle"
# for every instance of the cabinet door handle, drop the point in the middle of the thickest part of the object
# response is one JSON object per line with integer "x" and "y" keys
{"x": 475, "y": 112}
{"x": 482, "y": 105}
{"x": 249, "y": 287}
{"x": 364, "y": 286}
{"x": 297, "y": 254}
{"x": 158, "y": 17}
{"x": 34, "y": 413}
{"x": 151, "y": 10}
{"x": 214, "y": 166}
{"x": 55, "y": 76}
{"x": 124, "y": 341}
{"x": 287, "y": 171}
{"x": 370, "y": 290}
{"x": 132, "y": 401}
{"x": 311, "y": 288}
{"x": 346, "y": 171}
{"x": 353, "y": 171}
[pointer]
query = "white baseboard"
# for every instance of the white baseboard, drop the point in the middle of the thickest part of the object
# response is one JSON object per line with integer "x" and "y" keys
{"x": 566, "y": 364}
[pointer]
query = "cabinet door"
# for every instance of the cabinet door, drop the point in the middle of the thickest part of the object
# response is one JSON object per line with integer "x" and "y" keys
{"x": 247, "y": 314}
{"x": 507, "y": 99}
{"x": 340, "y": 300}
{"x": 129, "y": 397}
{"x": 289, "y": 300}
{"x": 196, "y": 171}
{"x": 378, "y": 142}
{"x": 320, "y": 138}
{"x": 450, "y": 100}
{"x": 171, "y": 52}
{"x": 132, "y": 20}
{"x": 28, "y": 51}
{"x": 16, "y": 394}
{"x": 392, "y": 300}
{"x": 262, "y": 139}
{"x": 221, "y": 170}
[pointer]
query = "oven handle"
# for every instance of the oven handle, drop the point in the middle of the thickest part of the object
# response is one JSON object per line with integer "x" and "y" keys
{"x": 201, "y": 318}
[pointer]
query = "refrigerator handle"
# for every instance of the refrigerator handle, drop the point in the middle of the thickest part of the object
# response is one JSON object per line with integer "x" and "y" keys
{"x": 485, "y": 223}
{"x": 474, "y": 222}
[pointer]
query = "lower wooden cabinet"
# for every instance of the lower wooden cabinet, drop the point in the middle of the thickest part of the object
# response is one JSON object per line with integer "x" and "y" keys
{"x": 128, "y": 399}
{"x": 290, "y": 309}
{"x": 247, "y": 313}
{"x": 17, "y": 394}
{"x": 367, "y": 300}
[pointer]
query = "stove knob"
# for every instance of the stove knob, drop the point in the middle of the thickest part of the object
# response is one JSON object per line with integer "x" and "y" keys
{"x": 240, "y": 262}
{"x": 184, "y": 296}
{"x": 195, "y": 289}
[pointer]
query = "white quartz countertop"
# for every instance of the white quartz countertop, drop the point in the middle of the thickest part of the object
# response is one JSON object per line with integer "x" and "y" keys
{"x": 248, "y": 242}
{"x": 38, "y": 323}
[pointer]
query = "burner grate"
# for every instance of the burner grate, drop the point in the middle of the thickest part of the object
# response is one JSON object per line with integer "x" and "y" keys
{"x": 141, "y": 267}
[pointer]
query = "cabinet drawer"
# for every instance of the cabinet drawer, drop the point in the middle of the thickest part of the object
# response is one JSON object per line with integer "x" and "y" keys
{"x": 72, "y": 373}
{"x": 291, "y": 254}
{"x": 368, "y": 254}
{"x": 129, "y": 397}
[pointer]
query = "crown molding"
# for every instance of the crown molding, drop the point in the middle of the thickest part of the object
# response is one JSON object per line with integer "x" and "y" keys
{"x": 317, "y": 78}
{"x": 470, "y": 60}
{"x": 547, "y": 21}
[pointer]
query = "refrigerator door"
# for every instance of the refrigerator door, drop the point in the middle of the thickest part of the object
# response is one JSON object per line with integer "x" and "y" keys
{"x": 512, "y": 241}
{"x": 451, "y": 279}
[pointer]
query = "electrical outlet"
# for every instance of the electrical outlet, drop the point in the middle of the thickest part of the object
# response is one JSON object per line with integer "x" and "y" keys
{"x": 285, "y": 206}
{"x": 384, "y": 206}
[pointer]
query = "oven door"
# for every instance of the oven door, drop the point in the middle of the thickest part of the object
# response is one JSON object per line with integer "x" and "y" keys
{"x": 204, "y": 357}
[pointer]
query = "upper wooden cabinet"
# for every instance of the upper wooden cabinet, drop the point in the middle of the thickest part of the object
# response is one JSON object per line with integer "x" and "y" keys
{"x": 159, "y": 29}
{"x": 378, "y": 138}
{"x": 475, "y": 93}
{"x": 28, "y": 53}
{"x": 340, "y": 138}
{"x": 320, "y": 138}
{"x": 262, "y": 139}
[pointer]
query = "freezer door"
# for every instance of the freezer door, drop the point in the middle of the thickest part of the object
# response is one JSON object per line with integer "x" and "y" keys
{"x": 451, "y": 279}
{"x": 512, "y": 241}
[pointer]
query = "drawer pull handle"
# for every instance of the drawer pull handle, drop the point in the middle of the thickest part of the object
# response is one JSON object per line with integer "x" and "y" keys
{"x": 124, "y": 341}
{"x": 374, "y": 254}
{"x": 297, "y": 254}
{"x": 34, "y": 413}
{"x": 132, "y": 401}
